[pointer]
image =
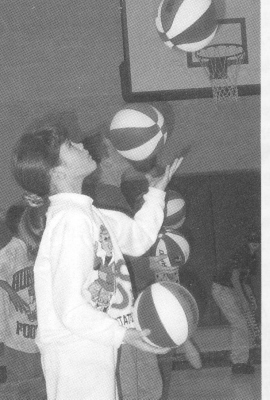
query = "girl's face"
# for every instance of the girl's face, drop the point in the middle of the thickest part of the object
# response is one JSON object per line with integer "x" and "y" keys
{"x": 76, "y": 160}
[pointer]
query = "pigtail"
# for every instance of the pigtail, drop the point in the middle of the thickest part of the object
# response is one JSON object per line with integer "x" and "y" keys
{"x": 32, "y": 226}
{"x": 33, "y": 200}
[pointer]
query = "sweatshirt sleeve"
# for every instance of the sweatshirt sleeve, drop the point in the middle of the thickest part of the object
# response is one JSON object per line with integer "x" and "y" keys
{"x": 136, "y": 235}
{"x": 72, "y": 255}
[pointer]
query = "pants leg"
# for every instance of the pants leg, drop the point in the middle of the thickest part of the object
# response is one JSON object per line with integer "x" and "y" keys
{"x": 256, "y": 287}
{"x": 165, "y": 362}
{"x": 80, "y": 371}
{"x": 227, "y": 300}
{"x": 22, "y": 366}
{"x": 139, "y": 374}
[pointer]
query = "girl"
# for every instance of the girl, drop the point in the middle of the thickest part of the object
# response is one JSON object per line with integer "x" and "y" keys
{"x": 83, "y": 290}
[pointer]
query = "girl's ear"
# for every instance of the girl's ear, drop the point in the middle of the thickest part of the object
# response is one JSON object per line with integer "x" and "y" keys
{"x": 58, "y": 174}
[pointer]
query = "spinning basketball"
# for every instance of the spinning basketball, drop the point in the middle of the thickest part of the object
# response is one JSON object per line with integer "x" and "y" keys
{"x": 173, "y": 244}
{"x": 138, "y": 132}
{"x": 169, "y": 311}
{"x": 188, "y": 25}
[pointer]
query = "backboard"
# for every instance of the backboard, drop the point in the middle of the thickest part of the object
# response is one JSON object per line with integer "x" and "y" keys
{"x": 151, "y": 71}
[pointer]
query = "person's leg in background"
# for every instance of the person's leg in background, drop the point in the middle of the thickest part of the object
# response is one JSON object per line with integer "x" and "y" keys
{"x": 22, "y": 366}
{"x": 226, "y": 299}
{"x": 165, "y": 363}
{"x": 3, "y": 331}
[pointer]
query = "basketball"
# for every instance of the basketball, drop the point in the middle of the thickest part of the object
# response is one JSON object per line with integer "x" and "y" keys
{"x": 172, "y": 243}
{"x": 175, "y": 210}
{"x": 188, "y": 25}
{"x": 169, "y": 311}
{"x": 138, "y": 132}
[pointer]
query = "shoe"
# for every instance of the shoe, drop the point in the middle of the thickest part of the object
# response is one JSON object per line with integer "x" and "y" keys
{"x": 242, "y": 368}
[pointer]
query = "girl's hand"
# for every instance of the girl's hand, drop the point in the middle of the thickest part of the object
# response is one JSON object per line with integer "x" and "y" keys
{"x": 155, "y": 264}
{"x": 162, "y": 181}
{"x": 136, "y": 338}
{"x": 19, "y": 303}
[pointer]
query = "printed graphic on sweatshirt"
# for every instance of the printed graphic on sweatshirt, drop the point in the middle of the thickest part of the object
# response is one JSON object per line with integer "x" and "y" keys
{"x": 112, "y": 289}
{"x": 103, "y": 288}
{"x": 23, "y": 281}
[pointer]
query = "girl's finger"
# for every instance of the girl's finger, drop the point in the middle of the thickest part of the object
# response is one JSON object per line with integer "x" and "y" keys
{"x": 179, "y": 161}
{"x": 175, "y": 165}
{"x": 161, "y": 257}
{"x": 145, "y": 332}
{"x": 166, "y": 175}
{"x": 167, "y": 170}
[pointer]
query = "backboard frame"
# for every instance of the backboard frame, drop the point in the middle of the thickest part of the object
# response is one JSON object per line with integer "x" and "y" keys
{"x": 129, "y": 95}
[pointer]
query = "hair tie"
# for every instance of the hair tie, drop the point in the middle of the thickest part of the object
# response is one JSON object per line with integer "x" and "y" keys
{"x": 33, "y": 200}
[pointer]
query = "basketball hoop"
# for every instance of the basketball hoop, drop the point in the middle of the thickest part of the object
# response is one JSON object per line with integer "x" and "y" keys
{"x": 221, "y": 63}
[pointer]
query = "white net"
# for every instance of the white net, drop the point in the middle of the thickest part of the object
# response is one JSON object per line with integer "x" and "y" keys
{"x": 221, "y": 63}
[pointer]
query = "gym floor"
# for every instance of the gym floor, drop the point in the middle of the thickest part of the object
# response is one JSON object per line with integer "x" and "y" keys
{"x": 215, "y": 384}
{"x": 215, "y": 380}
{"x": 206, "y": 384}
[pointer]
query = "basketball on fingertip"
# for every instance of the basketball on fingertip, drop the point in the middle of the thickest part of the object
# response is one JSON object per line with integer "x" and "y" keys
{"x": 138, "y": 132}
{"x": 169, "y": 311}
